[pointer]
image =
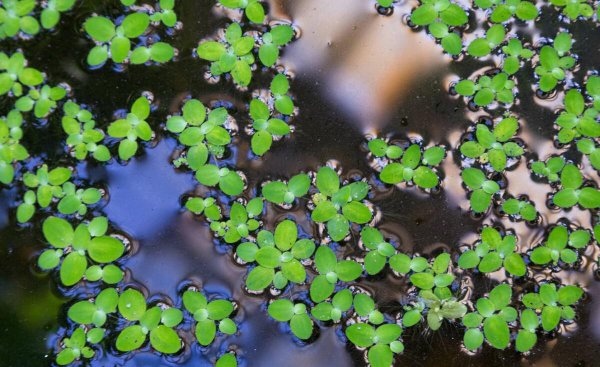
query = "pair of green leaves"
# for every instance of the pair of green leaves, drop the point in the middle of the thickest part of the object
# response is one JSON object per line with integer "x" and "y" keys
{"x": 208, "y": 315}
{"x": 76, "y": 346}
{"x": 83, "y": 136}
{"x": 17, "y": 17}
{"x": 415, "y": 165}
{"x": 562, "y": 244}
{"x": 553, "y": 305}
{"x": 434, "y": 276}
{"x": 330, "y": 272}
{"x": 493, "y": 313}
{"x": 332, "y": 199}
{"x": 572, "y": 192}
{"x": 439, "y": 16}
{"x": 131, "y": 128}
{"x": 574, "y": 9}
{"x": 483, "y": 190}
{"x": 340, "y": 303}
{"x": 243, "y": 219}
{"x": 278, "y": 256}
{"x": 496, "y": 146}
{"x": 280, "y": 192}
{"x": 504, "y": 10}
{"x": 590, "y": 149}
{"x": 154, "y": 322}
{"x": 208, "y": 206}
{"x": 513, "y": 52}
{"x": 488, "y": 89}
{"x": 379, "y": 251}
{"x": 381, "y": 342}
{"x": 483, "y": 46}
{"x": 493, "y": 252}
{"x": 576, "y": 120}
{"x": 296, "y": 314}
{"x": 14, "y": 74}
{"x": 50, "y": 15}
{"x": 228, "y": 181}
{"x": 74, "y": 248}
{"x": 554, "y": 62}
{"x": 520, "y": 209}
{"x": 11, "y": 150}
{"x": 116, "y": 41}
{"x": 201, "y": 131}
{"x": 265, "y": 127}
{"x": 550, "y": 169}
{"x": 253, "y": 9}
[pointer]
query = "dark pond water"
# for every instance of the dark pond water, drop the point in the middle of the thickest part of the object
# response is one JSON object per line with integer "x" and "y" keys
{"x": 356, "y": 72}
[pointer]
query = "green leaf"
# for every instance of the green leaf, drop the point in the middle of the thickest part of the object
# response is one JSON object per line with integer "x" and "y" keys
{"x": 259, "y": 278}
{"x": 131, "y": 338}
{"x": 328, "y": 182}
{"x": 496, "y": 332}
{"x": 132, "y": 304}
{"x": 165, "y": 340}
{"x": 100, "y": 28}
{"x": 72, "y": 269}
{"x": 361, "y": 334}
{"x": 302, "y": 326}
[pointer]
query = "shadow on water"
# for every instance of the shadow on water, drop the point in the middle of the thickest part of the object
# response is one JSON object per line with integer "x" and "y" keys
{"x": 355, "y": 71}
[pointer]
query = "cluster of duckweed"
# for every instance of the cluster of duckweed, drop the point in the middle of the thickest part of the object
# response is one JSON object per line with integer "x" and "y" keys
{"x": 86, "y": 250}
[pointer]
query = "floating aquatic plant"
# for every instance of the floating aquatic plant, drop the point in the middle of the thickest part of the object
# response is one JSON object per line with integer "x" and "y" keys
{"x": 76, "y": 346}
{"x": 210, "y": 316}
{"x": 270, "y": 43}
{"x": 280, "y": 86}
{"x": 46, "y": 185}
{"x": 253, "y": 9}
{"x": 483, "y": 189}
{"x": 207, "y": 206}
{"x": 132, "y": 128}
{"x": 438, "y": 306}
{"x": 201, "y": 131}
{"x": 519, "y": 209}
{"x": 488, "y": 89}
{"x": 243, "y": 219}
{"x": 83, "y": 136}
{"x": 494, "y": 146}
{"x": 490, "y": 319}
{"x": 11, "y": 149}
{"x": 16, "y": 16}
{"x": 504, "y": 10}
{"x": 492, "y": 252}
{"x": 42, "y": 101}
{"x": 165, "y": 14}
{"x": 381, "y": 342}
{"x": 513, "y": 54}
{"x": 278, "y": 256}
{"x": 280, "y": 192}
{"x": 483, "y": 46}
{"x": 330, "y": 271}
{"x": 577, "y": 120}
{"x": 550, "y": 169}
{"x": 562, "y": 244}
{"x": 155, "y": 323}
{"x": 232, "y": 55}
{"x": 75, "y": 249}
{"x": 553, "y": 305}
{"x": 574, "y": 9}
{"x": 265, "y": 127}
{"x": 416, "y": 165}
{"x": 572, "y": 190}
{"x": 440, "y": 16}
{"x": 227, "y": 180}
{"x": 341, "y": 302}
{"x": 95, "y": 311}
{"x": 116, "y": 42}
{"x": 554, "y": 62}
{"x": 296, "y": 314}
{"x": 15, "y": 74}
{"x": 590, "y": 148}
{"x": 333, "y": 199}
{"x": 51, "y": 12}
{"x": 379, "y": 250}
